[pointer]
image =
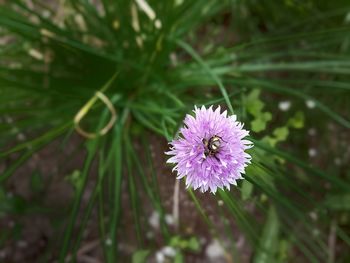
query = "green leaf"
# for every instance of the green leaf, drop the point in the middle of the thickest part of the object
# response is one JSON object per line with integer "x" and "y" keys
{"x": 281, "y": 133}
{"x": 179, "y": 258}
{"x": 269, "y": 241}
{"x": 297, "y": 121}
{"x": 247, "y": 190}
{"x": 283, "y": 250}
{"x": 259, "y": 124}
{"x": 175, "y": 241}
{"x": 74, "y": 178}
{"x": 193, "y": 244}
{"x": 253, "y": 104}
{"x": 140, "y": 256}
{"x": 338, "y": 202}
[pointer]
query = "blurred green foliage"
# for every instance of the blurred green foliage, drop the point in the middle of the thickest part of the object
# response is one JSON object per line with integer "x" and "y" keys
{"x": 154, "y": 60}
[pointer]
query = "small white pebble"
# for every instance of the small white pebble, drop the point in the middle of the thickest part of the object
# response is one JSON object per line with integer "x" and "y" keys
{"x": 22, "y": 244}
{"x": 220, "y": 203}
{"x": 313, "y": 215}
{"x": 284, "y": 105}
{"x": 310, "y": 104}
{"x": 160, "y": 258}
{"x": 312, "y": 131}
{"x": 21, "y": 137}
{"x": 312, "y": 152}
{"x": 316, "y": 232}
{"x": 46, "y": 14}
{"x": 108, "y": 242}
{"x": 169, "y": 219}
{"x": 153, "y": 220}
{"x": 149, "y": 235}
{"x": 337, "y": 161}
{"x": 169, "y": 251}
{"x": 214, "y": 250}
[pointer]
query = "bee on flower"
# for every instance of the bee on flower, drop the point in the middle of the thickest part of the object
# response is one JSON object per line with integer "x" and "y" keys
{"x": 210, "y": 150}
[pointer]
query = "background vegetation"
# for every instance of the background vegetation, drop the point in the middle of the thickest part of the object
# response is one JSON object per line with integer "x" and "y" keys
{"x": 282, "y": 66}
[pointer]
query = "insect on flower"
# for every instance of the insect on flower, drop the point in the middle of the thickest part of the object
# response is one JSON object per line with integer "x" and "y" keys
{"x": 212, "y": 146}
{"x": 210, "y": 150}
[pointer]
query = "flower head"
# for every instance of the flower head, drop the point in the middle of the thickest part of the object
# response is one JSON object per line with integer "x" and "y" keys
{"x": 210, "y": 151}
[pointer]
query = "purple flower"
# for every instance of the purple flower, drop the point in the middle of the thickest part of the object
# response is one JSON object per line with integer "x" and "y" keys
{"x": 210, "y": 152}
